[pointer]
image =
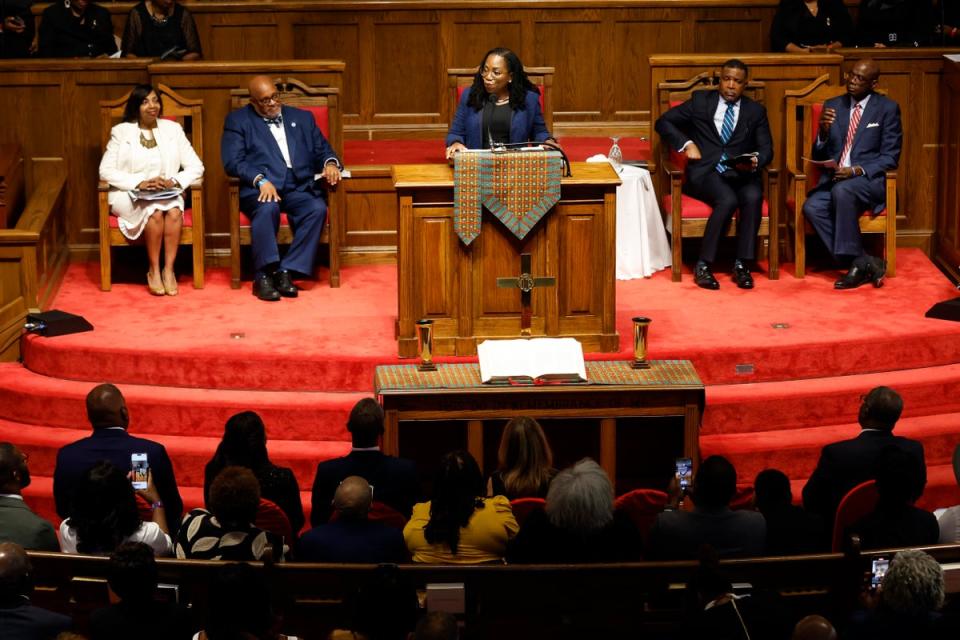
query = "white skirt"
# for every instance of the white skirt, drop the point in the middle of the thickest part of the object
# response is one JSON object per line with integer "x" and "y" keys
{"x": 132, "y": 214}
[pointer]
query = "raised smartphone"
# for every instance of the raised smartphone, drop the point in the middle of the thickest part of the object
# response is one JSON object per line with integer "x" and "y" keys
{"x": 685, "y": 472}
{"x": 879, "y": 569}
{"x": 139, "y": 467}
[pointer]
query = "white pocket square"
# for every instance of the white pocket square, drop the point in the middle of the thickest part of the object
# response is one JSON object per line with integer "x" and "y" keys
{"x": 873, "y": 124}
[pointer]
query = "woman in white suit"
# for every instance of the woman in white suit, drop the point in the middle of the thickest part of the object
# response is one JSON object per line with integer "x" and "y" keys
{"x": 147, "y": 153}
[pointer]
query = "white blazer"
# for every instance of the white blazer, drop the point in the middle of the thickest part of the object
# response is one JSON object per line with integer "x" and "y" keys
{"x": 124, "y": 163}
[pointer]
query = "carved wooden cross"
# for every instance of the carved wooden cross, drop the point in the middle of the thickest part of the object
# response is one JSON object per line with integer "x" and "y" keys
{"x": 526, "y": 283}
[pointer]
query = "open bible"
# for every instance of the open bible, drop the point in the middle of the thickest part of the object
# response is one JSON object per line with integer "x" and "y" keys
{"x": 536, "y": 361}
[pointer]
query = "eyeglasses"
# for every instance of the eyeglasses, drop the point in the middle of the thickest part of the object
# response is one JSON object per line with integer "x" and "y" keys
{"x": 857, "y": 77}
{"x": 274, "y": 99}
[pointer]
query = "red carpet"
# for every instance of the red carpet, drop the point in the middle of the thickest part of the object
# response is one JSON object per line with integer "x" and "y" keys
{"x": 187, "y": 363}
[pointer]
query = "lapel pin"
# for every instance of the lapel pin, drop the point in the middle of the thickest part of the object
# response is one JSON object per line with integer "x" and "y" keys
{"x": 293, "y": 124}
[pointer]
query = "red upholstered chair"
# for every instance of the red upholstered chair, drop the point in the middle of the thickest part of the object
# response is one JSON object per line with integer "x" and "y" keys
{"x": 743, "y": 499}
{"x": 803, "y": 107}
{"x": 459, "y": 80}
{"x": 523, "y": 507}
{"x": 189, "y": 113}
{"x": 859, "y": 501}
{"x": 380, "y": 512}
{"x": 144, "y": 509}
{"x": 687, "y": 217}
{"x": 642, "y": 507}
{"x": 324, "y": 103}
{"x": 271, "y": 518}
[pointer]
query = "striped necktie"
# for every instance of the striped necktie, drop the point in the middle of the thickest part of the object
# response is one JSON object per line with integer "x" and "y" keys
{"x": 726, "y": 130}
{"x": 851, "y": 132}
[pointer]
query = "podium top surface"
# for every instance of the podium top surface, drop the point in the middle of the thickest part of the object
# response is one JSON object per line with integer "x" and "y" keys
{"x": 441, "y": 175}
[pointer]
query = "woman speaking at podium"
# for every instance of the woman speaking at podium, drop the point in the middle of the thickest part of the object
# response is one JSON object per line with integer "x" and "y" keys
{"x": 501, "y": 107}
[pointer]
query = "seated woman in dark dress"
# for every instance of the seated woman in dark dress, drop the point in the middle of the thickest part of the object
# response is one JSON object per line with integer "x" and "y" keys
{"x": 76, "y": 29}
{"x": 244, "y": 444}
{"x": 161, "y": 29}
{"x": 525, "y": 462}
{"x": 894, "y": 23}
{"x": 805, "y": 26}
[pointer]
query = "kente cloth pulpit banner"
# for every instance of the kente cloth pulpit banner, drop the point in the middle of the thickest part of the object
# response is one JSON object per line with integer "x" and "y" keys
{"x": 518, "y": 187}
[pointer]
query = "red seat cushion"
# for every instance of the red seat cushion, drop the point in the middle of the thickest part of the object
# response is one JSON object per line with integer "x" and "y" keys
{"x": 321, "y": 115}
{"x": 245, "y": 221}
{"x": 792, "y": 207}
{"x": 523, "y": 507}
{"x": 365, "y": 152}
{"x": 693, "y": 208}
{"x": 460, "y": 91}
{"x": 187, "y": 219}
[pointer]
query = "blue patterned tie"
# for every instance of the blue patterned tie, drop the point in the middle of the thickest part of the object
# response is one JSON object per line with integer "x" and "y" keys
{"x": 726, "y": 130}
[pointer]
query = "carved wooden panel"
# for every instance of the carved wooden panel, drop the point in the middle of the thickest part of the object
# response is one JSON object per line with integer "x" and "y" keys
{"x": 948, "y": 205}
{"x": 325, "y": 36}
{"x": 722, "y": 31}
{"x": 573, "y": 49}
{"x": 637, "y": 40}
{"x": 474, "y": 33}
{"x": 408, "y": 71}
{"x": 253, "y": 41}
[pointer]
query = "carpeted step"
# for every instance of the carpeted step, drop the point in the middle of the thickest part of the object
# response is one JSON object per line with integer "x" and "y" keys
{"x": 290, "y": 415}
{"x": 772, "y": 406}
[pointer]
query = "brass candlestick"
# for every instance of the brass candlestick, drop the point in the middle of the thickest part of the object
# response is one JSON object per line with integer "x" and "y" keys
{"x": 425, "y": 339}
{"x": 640, "y": 326}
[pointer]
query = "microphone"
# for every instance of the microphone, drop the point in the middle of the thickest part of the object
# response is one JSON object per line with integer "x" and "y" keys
{"x": 488, "y": 116}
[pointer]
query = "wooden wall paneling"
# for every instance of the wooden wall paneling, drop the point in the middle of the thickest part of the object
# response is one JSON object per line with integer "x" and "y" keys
{"x": 370, "y": 229}
{"x": 948, "y": 202}
{"x": 572, "y": 44}
{"x": 409, "y": 74}
{"x": 333, "y": 36}
{"x": 16, "y": 261}
{"x": 636, "y": 36}
{"x": 717, "y": 29}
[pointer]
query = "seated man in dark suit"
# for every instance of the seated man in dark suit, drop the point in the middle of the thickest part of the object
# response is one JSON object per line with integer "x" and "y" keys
{"x": 20, "y": 620}
{"x": 276, "y": 151}
{"x": 352, "y": 537}
{"x": 17, "y": 522}
{"x": 711, "y": 128}
{"x": 394, "y": 480}
{"x": 790, "y": 529}
{"x": 844, "y": 465}
{"x": 107, "y": 412}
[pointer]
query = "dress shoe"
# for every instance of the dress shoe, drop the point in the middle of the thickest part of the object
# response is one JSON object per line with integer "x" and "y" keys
{"x": 704, "y": 277}
{"x": 263, "y": 288}
{"x": 283, "y": 283}
{"x": 741, "y": 275}
{"x": 155, "y": 284}
{"x": 860, "y": 272}
{"x": 878, "y": 270}
{"x": 170, "y": 283}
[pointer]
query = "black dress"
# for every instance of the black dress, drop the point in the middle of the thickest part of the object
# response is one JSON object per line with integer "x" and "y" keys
{"x": 277, "y": 484}
{"x": 496, "y": 122}
{"x": 17, "y": 45}
{"x": 145, "y": 36}
{"x": 794, "y": 23}
{"x": 64, "y": 35}
{"x": 895, "y": 23}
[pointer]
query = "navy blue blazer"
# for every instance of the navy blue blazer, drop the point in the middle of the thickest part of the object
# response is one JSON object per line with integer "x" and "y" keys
{"x": 363, "y": 542}
{"x": 394, "y": 482}
{"x": 527, "y": 124}
{"x": 248, "y": 149}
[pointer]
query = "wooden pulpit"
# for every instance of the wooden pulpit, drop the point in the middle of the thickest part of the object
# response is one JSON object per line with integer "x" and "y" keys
{"x": 456, "y": 285}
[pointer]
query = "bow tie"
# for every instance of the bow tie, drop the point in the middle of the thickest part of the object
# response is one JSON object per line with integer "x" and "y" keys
{"x": 278, "y": 121}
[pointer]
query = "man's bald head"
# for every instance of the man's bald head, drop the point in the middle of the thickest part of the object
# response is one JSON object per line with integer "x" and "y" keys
{"x": 862, "y": 79}
{"x": 262, "y": 89}
{"x": 14, "y": 570}
{"x": 352, "y": 499}
{"x": 814, "y": 628}
{"x": 106, "y": 407}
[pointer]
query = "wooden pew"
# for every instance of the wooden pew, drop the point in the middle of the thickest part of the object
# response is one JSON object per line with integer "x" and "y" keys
{"x": 11, "y": 183}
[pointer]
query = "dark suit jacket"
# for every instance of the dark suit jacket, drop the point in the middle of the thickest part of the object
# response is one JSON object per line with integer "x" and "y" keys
{"x": 526, "y": 125}
{"x": 248, "y": 149}
{"x": 876, "y": 145}
{"x": 693, "y": 120}
{"x": 20, "y": 620}
{"x": 363, "y": 542}
{"x": 115, "y": 446}
{"x": 394, "y": 482}
{"x": 149, "y": 621}
{"x": 843, "y": 465}
{"x": 680, "y": 534}
{"x": 21, "y": 525}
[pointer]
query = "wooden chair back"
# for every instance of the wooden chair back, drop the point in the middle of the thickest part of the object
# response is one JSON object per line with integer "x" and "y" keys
{"x": 859, "y": 502}
{"x": 461, "y": 79}
{"x": 188, "y": 112}
{"x": 523, "y": 507}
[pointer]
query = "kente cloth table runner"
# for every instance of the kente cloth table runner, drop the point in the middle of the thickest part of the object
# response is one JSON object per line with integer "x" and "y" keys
{"x": 518, "y": 187}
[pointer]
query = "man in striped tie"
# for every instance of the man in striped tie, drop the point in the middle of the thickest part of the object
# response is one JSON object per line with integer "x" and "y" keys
{"x": 861, "y": 132}
{"x": 713, "y": 129}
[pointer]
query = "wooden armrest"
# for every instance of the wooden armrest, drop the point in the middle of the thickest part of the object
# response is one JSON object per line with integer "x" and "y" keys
{"x": 891, "y": 175}
{"x": 233, "y": 181}
{"x": 773, "y": 172}
{"x": 196, "y": 184}
{"x": 103, "y": 185}
{"x": 671, "y": 168}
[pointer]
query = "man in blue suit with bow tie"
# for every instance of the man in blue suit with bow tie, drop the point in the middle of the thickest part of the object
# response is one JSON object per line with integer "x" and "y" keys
{"x": 275, "y": 152}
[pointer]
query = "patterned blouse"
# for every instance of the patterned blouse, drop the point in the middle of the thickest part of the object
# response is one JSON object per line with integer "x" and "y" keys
{"x": 202, "y": 537}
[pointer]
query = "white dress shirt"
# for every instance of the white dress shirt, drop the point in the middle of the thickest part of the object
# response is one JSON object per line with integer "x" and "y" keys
{"x": 718, "y": 119}
{"x": 280, "y": 135}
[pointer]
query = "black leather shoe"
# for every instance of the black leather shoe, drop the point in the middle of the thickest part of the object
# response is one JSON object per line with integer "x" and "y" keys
{"x": 878, "y": 270}
{"x": 704, "y": 277}
{"x": 741, "y": 275}
{"x": 860, "y": 273}
{"x": 281, "y": 279}
{"x": 263, "y": 288}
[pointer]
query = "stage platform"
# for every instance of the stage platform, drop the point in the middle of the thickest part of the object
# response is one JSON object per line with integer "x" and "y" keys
{"x": 784, "y": 365}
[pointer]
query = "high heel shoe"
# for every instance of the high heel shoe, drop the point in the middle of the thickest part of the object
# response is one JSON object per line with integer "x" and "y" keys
{"x": 155, "y": 285}
{"x": 170, "y": 283}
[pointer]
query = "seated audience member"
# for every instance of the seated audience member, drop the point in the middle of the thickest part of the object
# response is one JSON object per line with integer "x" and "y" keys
{"x": 578, "y": 523}
{"x": 149, "y": 153}
{"x": 681, "y": 534}
{"x": 226, "y": 531}
{"x": 17, "y": 522}
{"x": 459, "y": 525}
{"x": 105, "y": 515}
{"x": 814, "y": 628}
{"x": 808, "y": 26}
{"x": 949, "y": 520}
{"x": 947, "y": 19}
{"x": 132, "y": 576}
{"x": 17, "y": 29}
{"x": 244, "y": 444}
{"x": 383, "y": 608}
{"x": 525, "y": 462}
{"x": 436, "y": 625}
{"x": 161, "y": 29}
{"x": 76, "y": 29}
{"x": 239, "y": 605}
{"x": 394, "y": 480}
{"x": 896, "y": 522}
{"x": 908, "y": 602}
{"x": 843, "y": 465}
{"x": 351, "y": 537}
{"x": 110, "y": 440}
{"x": 20, "y": 620}
{"x": 894, "y": 23}
{"x": 790, "y": 529}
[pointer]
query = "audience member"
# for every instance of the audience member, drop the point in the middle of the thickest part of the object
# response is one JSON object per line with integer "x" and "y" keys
{"x": 394, "y": 480}
{"x": 458, "y": 525}
{"x": 383, "y": 608}
{"x": 894, "y": 23}
{"x": 105, "y": 514}
{"x": 244, "y": 444}
{"x": 949, "y": 520}
{"x": 20, "y": 620}
{"x": 896, "y": 522}
{"x": 110, "y": 441}
{"x": 811, "y": 26}
{"x": 525, "y": 462}
{"x": 17, "y": 522}
{"x": 681, "y": 534}
{"x": 240, "y": 606}
{"x": 843, "y": 465}
{"x": 947, "y": 20}
{"x": 226, "y": 531}
{"x": 161, "y": 29}
{"x": 148, "y": 153}
{"x": 814, "y": 628}
{"x": 352, "y": 537}
{"x": 133, "y": 578}
{"x": 578, "y": 523}
{"x": 76, "y": 29}
{"x": 436, "y": 625}
{"x": 17, "y": 29}
{"x": 790, "y": 529}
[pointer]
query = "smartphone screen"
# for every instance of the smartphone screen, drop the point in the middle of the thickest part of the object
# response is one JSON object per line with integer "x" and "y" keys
{"x": 880, "y": 566}
{"x": 139, "y": 466}
{"x": 685, "y": 472}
